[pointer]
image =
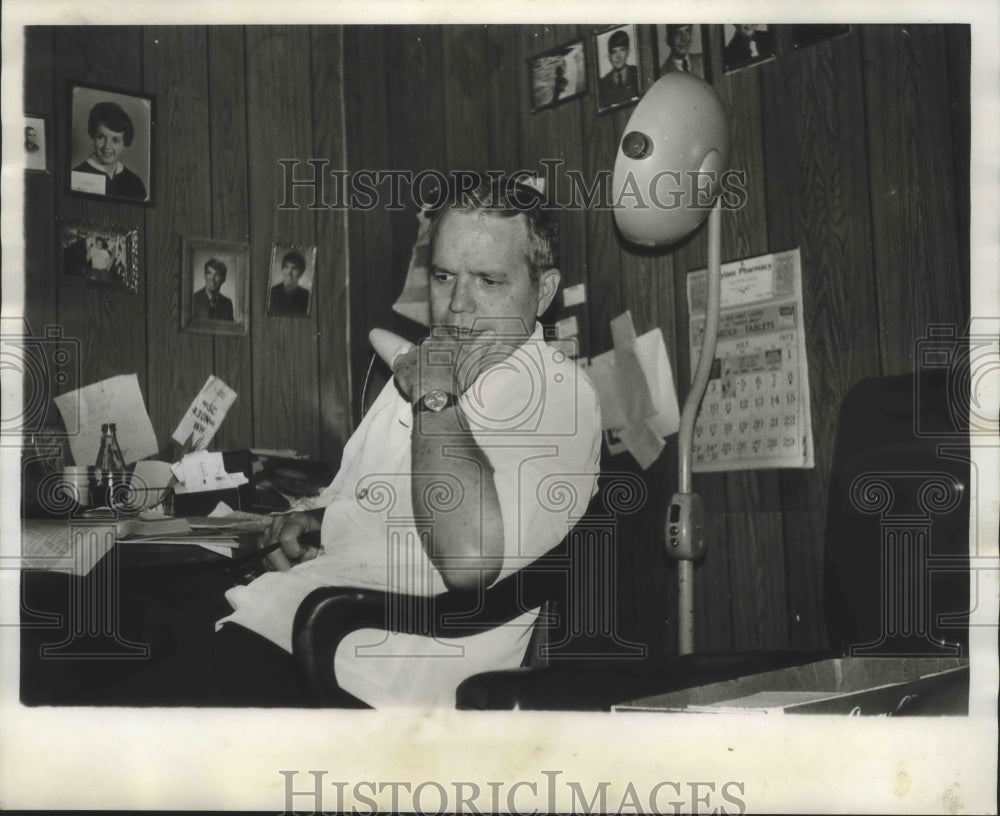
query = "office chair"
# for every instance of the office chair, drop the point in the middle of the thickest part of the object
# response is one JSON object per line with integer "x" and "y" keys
{"x": 896, "y": 573}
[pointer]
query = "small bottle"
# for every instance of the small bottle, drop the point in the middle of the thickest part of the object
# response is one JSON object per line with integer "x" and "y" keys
{"x": 109, "y": 469}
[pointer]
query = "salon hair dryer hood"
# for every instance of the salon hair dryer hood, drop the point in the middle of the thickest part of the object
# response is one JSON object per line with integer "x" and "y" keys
{"x": 676, "y": 132}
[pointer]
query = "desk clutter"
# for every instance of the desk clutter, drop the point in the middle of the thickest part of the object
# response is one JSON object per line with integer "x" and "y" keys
{"x": 103, "y": 480}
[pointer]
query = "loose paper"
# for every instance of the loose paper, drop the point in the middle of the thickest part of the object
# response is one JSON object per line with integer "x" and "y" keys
{"x": 205, "y": 415}
{"x": 635, "y": 387}
{"x": 116, "y": 399}
{"x": 755, "y": 413}
{"x": 150, "y": 481}
{"x": 567, "y": 327}
{"x": 202, "y": 471}
{"x": 575, "y": 295}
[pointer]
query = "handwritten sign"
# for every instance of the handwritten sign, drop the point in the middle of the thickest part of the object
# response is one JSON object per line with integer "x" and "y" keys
{"x": 198, "y": 426}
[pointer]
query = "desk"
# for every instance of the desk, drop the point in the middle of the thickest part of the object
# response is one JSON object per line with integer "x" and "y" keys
{"x": 83, "y": 632}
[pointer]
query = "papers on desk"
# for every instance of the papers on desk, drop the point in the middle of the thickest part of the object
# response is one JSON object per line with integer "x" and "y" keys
{"x": 58, "y": 545}
{"x": 116, "y": 399}
{"x": 203, "y": 471}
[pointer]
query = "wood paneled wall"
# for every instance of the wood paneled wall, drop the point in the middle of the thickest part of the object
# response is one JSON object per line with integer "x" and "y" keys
{"x": 229, "y": 102}
{"x": 855, "y": 151}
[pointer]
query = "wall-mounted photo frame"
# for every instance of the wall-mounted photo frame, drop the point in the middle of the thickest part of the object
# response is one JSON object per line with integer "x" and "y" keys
{"x": 681, "y": 48}
{"x": 99, "y": 254}
{"x": 807, "y": 34}
{"x": 291, "y": 280}
{"x": 616, "y": 69}
{"x": 557, "y": 75}
{"x": 36, "y": 143}
{"x": 747, "y": 44}
{"x": 215, "y": 287}
{"x": 110, "y": 144}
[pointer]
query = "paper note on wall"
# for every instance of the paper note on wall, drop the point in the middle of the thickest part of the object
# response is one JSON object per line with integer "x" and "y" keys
{"x": 635, "y": 387}
{"x": 116, "y": 399}
{"x": 203, "y": 418}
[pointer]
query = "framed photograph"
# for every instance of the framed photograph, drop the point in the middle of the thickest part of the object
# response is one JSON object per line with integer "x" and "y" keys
{"x": 558, "y": 75}
{"x": 746, "y": 44}
{"x": 680, "y": 47}
{"x": 100, "y": 254}
{"x": 110, "y": 144}
{"x": 616, "y": 68}
{"x": 810, "y": 34}
{"x": 290, "y": 280}
{"x": 215, "y": 287}
{"x": 36, "y": 143}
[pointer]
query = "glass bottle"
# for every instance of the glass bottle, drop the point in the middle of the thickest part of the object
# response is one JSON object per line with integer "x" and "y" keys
{"x": 109, "y": 469}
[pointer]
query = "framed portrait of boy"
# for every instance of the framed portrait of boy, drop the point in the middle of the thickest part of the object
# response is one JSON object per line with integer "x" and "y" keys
{"x": 680, "y": 48}
{"x": 747, "y": 44}
{"x": 557, "y": 75}
{"x": 616, "y": 68}
{"x": 36, "y": 143}
{"x": 110, "y": 144}
{"x": 215, "y": 287}
{"x": 291, "y": 279}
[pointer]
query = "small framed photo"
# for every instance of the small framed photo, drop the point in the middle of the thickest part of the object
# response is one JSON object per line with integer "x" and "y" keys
{"x": 36, "y": 143}
{"x": 680, "y": 48}
{"x": 558, "y": 75}
{"x": 291, "y": 279}
{"x": 811, "y": 34}
{"x": 617, "y": 67}
{"x": 100, "y": 254}
{"x": 110, "y": 144}
{"x": 215, "y": 287}
{"x": 746, "y": 44}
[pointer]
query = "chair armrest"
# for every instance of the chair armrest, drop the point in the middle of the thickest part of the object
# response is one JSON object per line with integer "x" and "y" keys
{"x": 328, "y": 614}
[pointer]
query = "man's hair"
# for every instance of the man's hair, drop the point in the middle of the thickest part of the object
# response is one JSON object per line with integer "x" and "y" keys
{"x": 113, "y": 118}
{"x": 618, "y": 40}
{"x": 673, "y": 29}
{"x": 508, "y": 197}
{"x": 295, "y": 259}
{"x": 217, "y": 265}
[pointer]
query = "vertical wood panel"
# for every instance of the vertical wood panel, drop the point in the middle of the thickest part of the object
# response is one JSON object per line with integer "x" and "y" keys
{"x": 369, "y": 231}
{"x": 332, "y": 290}
{"x": 506, "y": 91}
{"x": 279, "y": 106}
{"x": 230, "y": 220}
{"x": 466, "y": 137}
{"x": 176, "y": 72}
{"x": 914, "y": 221}
{"x": 109, "y": 324}
{"x": 817, "y": 199}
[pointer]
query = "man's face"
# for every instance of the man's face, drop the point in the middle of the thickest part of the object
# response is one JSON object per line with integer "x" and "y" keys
{"x": 680, "y": 41}
{"x": 618, "y": 55}
{"x": 747, "y": 29}
{"x": 479, "y": 277}
{"x": 108, "y": 145}
{"x": 213, "y": 280}
{"x": 290, "y": 275}
{"x": 29, "y": 134}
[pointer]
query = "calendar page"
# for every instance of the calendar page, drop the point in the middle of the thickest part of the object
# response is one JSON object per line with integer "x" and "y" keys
{"x": 755, "y": 413}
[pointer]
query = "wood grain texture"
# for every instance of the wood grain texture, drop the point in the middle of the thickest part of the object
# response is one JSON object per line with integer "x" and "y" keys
{"x": 331, "y": 292}
{"x": 176, "y": 72}
{"x": 110, "y": 325}
{"x": 913, "y": 192}
{"x": 279, "y": 109}
{"x": 231, "y": 205}
{"x": 506, "y": 92}
{"x": 370, "y": 235}
{"x": 817, "y": 197}
{"x": 757, "y": 581}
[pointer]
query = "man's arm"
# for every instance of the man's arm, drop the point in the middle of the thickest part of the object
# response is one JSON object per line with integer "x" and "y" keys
{"x": 452, "y": 479}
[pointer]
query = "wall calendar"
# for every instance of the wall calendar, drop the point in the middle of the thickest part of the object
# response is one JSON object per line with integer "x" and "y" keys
{"x": 755, "y": 413}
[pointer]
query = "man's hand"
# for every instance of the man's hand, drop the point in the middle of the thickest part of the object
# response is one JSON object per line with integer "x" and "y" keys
{"x": 450, "y": 364}
{"x": 286, "y": 530}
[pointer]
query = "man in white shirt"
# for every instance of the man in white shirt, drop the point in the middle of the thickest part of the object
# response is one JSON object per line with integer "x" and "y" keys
{"x": 481, "y": 423}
